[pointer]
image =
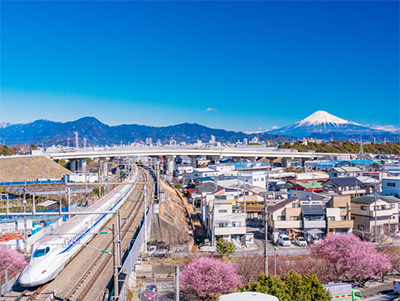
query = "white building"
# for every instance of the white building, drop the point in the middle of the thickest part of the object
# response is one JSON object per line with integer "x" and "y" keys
{"x": 221, "y": 168}
{"x": 227, "y": 222}
{"x": 83, "y": 177}
{"x": 200, "y": 173}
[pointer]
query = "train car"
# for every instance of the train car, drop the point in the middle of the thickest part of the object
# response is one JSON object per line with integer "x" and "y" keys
{"x": 51, "y": 253}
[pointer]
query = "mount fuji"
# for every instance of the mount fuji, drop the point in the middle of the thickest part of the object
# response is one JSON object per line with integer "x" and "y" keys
{"x": 322, "y": 125}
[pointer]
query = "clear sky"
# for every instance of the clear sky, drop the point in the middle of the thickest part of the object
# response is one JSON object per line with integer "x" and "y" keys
{"x": 241, "y": 65}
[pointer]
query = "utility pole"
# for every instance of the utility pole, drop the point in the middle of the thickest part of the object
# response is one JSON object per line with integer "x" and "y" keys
{"x": 158, "y": 181}
{"x": 115, "y": 263}
{"x": 119, "y": 238}
{"x": 25, "y": 226}
{"x": 145, "y": 219}
{"x": 177, "y": 283}
{"x": 266, "y": 237}
{"x": 376, "y": 227}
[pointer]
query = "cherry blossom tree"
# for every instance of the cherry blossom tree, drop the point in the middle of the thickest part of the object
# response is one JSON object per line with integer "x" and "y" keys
{"x": 351, "y": 258}
{"x": 206, "y": 277}
{"x": 12, "y": 262}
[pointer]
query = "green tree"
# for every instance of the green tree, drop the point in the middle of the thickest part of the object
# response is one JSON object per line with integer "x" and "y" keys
{"x": 270, "y": 285}
{"x": 225, "y": 248}
{"x": 291, "y": 287}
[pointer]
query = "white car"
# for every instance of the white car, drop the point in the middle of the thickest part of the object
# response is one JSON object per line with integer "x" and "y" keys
{"x": 284, "y": 240}
{"x": 301, "y": 242}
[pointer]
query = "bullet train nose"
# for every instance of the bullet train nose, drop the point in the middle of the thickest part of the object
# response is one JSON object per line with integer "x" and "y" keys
{"x": 34, "y": 277}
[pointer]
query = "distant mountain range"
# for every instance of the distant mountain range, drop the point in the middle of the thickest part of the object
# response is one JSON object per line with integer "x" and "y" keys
{"x": 320, "y": 125}
{"x": 47, "y": 132}
{"x": 325, "y": 126}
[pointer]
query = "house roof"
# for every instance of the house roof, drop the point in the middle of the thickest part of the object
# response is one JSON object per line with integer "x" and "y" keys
{"x": 368, "y": 180}
{"x": 316, "y": 185}
{"x": 282, "y": 204}
{"x": 345, "y": 181}
{"x": 205, "y": 179}
{"x": 368, "y": 199}
{"x": 312, "y": 209}
{"x": 346, "y": 169}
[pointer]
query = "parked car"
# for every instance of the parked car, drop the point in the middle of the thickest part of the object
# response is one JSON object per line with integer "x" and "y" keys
{"x": 301, "y": 242}
{"x": 150, "y": 293}
{"x": 284, "y": 240}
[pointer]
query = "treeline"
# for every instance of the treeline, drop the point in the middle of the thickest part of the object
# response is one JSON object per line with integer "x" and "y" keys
{"x": 20, "y": 149}
{"x": 346, "y": 147}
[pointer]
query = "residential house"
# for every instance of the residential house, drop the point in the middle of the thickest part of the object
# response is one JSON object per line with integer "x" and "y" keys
{"x": 344, "y": 171}
{"x": 338, "y": 215}
{"x": 344, "y": 186}
{"x": 286, "y": 216}
{"x": 226, "y": 222}
{"x": 371, "y": 184}
{"x": 200, "y": 173}
{"x": 314, "y": 223}
{"x": 364, "y": 209}
{"x": 313, "y": 186}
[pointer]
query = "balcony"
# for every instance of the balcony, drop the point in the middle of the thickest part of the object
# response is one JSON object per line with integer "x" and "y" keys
{"x": 340, "y": 224}
{"x": 314, "y": 224}
{"x": 230, "y": 230}
{"x": 347, "y": 192}
{"x": 383, "y": 213}
{"x": 288, "y": 224}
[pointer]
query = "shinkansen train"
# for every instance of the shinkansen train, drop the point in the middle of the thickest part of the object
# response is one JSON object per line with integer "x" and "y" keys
{"x": 51, "y": 253}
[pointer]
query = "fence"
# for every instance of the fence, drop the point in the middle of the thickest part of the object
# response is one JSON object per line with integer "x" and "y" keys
{"x": 6, "y": 287}
{"x": 130, "y": 261}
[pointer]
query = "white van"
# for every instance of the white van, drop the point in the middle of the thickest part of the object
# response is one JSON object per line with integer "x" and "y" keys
{"x": 284, "y": 240}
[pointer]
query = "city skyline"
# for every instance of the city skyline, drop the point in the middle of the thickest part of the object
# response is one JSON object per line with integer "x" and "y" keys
{"x": 242, "y": 66}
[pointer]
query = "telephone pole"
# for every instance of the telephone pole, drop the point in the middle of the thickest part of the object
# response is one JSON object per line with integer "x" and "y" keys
{"x": 266, "y": 237}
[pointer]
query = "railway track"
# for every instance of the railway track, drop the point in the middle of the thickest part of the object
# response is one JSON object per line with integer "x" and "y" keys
{"x": 130, "y": 211}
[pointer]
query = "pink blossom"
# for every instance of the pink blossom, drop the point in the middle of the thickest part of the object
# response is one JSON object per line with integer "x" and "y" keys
{"x": 351, "y": 258}
{"x": 10, "y": 261}
{"x": 205, "y": 277}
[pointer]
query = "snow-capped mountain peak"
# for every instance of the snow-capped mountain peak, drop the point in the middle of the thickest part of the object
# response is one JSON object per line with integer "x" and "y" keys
{"x": 322, "y": 117}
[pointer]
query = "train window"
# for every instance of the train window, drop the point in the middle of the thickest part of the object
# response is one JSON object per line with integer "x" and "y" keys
{"x": 41, "y": 252}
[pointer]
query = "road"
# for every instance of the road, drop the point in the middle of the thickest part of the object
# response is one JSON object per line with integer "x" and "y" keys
{"x": 387, "y": 297}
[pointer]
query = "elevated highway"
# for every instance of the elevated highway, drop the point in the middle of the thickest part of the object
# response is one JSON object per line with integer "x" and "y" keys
{"x": 191, "y": 152}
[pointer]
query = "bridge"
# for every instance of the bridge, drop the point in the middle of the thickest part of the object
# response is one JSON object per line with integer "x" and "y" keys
{"x": 172, "y": 152}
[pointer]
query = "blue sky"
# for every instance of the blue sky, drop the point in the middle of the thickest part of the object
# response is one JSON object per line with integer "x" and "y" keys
{"x": 245, "y": 66}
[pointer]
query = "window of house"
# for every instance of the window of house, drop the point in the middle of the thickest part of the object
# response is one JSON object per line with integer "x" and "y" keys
{"x": 281, "y": 218}
{"x": 392, "y": 206}
{"x": 222, "y": 211}
{"x": 364, "y": 208}
{"x": 222, "y": 225}
{"x": 391, "y": 184}
{"x": 343, "y": 217}
{"x": 294, "y": 218}
{"x": 236, "y": 224}
{"x": 331, "y": 218}
{"x": 360, "y": 228}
